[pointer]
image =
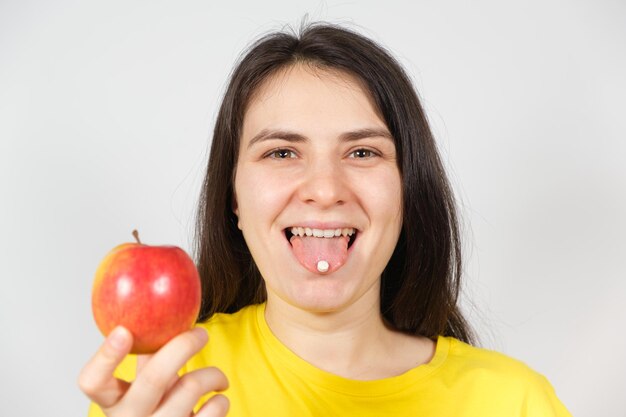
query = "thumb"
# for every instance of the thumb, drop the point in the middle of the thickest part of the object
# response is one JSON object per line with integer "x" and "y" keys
{"x": 96, "y": 379}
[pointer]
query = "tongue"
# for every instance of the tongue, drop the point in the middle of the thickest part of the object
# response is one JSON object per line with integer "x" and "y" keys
{"x": 310, "y": 250}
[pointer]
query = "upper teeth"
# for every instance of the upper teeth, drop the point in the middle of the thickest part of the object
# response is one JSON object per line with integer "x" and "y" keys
{"x": 306, "y": 231}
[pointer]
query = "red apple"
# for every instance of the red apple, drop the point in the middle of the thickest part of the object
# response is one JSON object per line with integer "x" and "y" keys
{"x": 153, "y": 291}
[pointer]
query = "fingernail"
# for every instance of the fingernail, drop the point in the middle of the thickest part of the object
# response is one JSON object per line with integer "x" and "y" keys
{"x": 118, "y": 338}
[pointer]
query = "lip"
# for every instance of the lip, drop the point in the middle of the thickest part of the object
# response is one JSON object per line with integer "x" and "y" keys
{"x": 352, "y": 239}
{"x": 323, "y": 225}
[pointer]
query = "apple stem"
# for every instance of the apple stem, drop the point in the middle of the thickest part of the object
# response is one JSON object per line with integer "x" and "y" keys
{"x": 136, "y": 235}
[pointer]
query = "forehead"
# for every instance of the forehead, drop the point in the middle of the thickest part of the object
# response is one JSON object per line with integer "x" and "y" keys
{"x": 303, "y": 75}
{"x": 317, "y": 100}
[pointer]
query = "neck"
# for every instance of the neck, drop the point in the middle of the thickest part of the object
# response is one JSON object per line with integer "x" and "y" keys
{"x": 348, "y": 342}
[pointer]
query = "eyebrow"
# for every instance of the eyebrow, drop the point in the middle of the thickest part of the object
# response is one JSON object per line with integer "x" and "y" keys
{"x": 369, "y": 132}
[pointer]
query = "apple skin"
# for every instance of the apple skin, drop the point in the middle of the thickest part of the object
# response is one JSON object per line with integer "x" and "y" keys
{"x": 153, "y": 291}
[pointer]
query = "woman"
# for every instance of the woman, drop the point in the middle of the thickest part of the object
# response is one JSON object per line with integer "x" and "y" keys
{"x": 329, "y": 251}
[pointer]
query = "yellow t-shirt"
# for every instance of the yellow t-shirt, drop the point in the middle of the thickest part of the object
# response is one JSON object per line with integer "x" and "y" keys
{"x": 267, "y": 379}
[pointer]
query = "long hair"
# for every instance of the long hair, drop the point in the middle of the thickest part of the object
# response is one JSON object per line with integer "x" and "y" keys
{"x": 420, "y": 284}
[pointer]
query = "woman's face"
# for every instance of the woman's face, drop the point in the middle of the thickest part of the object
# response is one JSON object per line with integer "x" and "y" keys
{"x": 314, "y": 154}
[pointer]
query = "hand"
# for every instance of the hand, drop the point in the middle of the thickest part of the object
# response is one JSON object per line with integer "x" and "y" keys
{"x": 157, "y": 391}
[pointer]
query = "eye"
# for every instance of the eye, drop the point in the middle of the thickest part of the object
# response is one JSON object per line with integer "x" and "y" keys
{"x": 363, "y": 154}
{"x": 281, "y": 154}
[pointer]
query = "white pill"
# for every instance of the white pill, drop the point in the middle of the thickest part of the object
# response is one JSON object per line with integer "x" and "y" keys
{"x": 322, "y": 266}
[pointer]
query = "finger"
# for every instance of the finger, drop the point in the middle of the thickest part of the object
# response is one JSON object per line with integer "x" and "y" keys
{"x": 142, "y": 360}
{"x": 146, "y": 392}
{"x": 190, "y": 387}
{"x": 96, "y": 379}
{"x": 216, "y": 406}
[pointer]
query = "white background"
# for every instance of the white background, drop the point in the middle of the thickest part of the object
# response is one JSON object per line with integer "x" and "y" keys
{"x": 106, "y": 110}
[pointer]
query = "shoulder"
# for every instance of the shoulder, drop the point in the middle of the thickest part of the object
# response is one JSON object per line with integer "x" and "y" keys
{"x": 231, "y": 335}
{"x": 482, "y": 358}
{"x": 501, "y": 377}
{"x": 232, "y": 323}
{"x": 488, "y": 364}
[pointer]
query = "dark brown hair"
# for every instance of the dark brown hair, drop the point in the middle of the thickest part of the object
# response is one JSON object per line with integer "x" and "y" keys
{"x": 420, "y": 285}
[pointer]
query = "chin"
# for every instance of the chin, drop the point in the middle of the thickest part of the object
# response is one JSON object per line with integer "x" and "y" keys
{"x": 321, "y": 295}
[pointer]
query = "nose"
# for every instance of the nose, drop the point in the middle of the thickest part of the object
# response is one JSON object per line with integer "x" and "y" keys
{"x": 324, "y": 185}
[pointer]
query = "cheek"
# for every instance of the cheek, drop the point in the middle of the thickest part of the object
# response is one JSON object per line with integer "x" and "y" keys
{"x": 259, "y": 194}
{"x": 381, "y": 194}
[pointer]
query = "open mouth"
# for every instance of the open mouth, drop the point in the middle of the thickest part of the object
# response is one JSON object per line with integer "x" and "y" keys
{"x": 351, "y": 233}
{"x": 321, "y": 251}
